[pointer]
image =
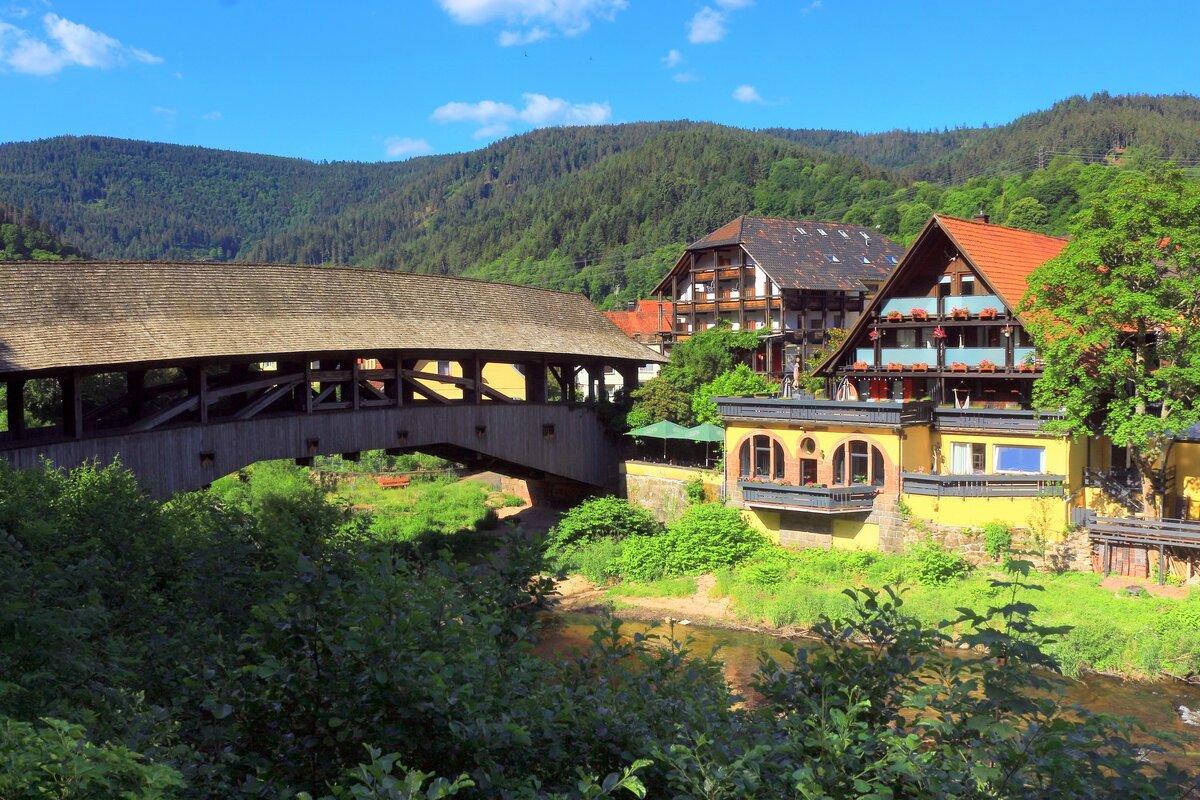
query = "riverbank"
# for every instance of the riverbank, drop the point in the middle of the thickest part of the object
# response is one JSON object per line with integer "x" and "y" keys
{"x": 1142, "y": 635}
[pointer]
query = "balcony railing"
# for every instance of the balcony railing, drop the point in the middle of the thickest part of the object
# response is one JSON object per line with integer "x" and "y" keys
{"x": 833, "y": 500}
{"x": 992, "y": 419}
{"x": 825, "y": 412}
{"x": 942, "y": 306}
{"x": 990, "y": 485}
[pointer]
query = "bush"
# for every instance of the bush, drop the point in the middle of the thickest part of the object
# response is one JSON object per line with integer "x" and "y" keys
{"x": 600, "y": 518}
{"x": 597, "y": 560}
{"x": 933, "y": 565}
{"x": 707, "y": 537}
{"x": 768, "y": 569}
{"x": 695, "y": 491}
{"x": 997, "y": 540}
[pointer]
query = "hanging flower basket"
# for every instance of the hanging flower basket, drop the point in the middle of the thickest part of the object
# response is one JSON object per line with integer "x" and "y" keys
{"x": 960, "y": 313}
{"x": 861, "y": 366}
{"x": 989, "y": 313}
{"x": 873, "y": 336}
{"x": 920, "y": 313}
{"x": 939, "y": 332}
{"x": 895, "y": 316}
{"x": 1007, "y": 330}
{"x": 894, "y": 366}
{"x": 958, "y": 366}
{"x": 987, "y": 366}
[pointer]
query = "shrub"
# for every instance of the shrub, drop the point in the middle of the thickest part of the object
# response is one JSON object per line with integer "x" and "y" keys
{"x": 933, "y": 565}
{"x": 997, "y": 540}
{"x": 1181, "y": 618}
{"x": 768, "y": 569}
{"x": 597, "y": 560}
{"x": 600, "y": 518}
{"x": 695, "y": 491}
{"x": 707, "y": 537}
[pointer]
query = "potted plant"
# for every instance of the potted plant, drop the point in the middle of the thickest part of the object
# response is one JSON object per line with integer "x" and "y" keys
{"x": 920, "y": 313}
{"x": 960, "y": 313}
{"x": 861, "y": 366}
{"x": 987, "y": 366}
{"x": 894, "y": 366}
{"x": 895, "y": 316}
{"x": 989, "y": 313}
{"x": 958, "y": 366}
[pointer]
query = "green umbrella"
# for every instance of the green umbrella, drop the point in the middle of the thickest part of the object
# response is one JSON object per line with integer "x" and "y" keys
{"x": 664, "y": 429}
{"x": 705, "y": 432}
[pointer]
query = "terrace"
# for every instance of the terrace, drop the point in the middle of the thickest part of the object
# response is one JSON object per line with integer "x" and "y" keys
{"x": 881, "y": 414}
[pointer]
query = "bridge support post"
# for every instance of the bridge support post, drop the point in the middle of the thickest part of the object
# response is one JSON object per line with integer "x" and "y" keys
{"x": 406, "y": 390}
{"x": 535, "y": 382}
{"x": 72, "y": 404}
{"x": 197, "y": 381}
{"x": 15, "y": 400}
{"x": 392, "y": 387}
{"x": 629, "y": 377}
{"x": 135, "y": 387}
{"x": 472, "y": 370}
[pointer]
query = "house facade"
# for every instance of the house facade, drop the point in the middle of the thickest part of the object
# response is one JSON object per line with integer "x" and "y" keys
{"x": 792, "y": 278}
{"x": 930, "y": 409}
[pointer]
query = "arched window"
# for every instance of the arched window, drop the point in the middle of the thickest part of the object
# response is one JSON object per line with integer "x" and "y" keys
{"x": 761, "y": 457}
{"x": 808, "y": 462}
{"x": 858, "y": 462}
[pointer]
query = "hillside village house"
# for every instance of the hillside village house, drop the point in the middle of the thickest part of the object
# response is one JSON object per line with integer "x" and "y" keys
{"x": 931, "y": 404}
{"x": 794, "y": 278}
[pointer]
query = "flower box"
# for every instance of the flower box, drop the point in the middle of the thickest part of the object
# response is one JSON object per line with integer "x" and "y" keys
{"x": 920, "y": 366}
{"x": 894, "y": 366}
{"x": 1025, "y": 367}
{"x": 895, "y": 316}
{"x": 920, "y": 313}
{"x": 989, "y": 313}
{"x": 987, "y": 366}
{"x": 861, "y": 366}
{"x": 958, "y": 366}
{"x": 960, "y": 313}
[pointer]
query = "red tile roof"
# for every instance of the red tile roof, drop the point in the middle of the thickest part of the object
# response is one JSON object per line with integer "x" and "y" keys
{"x": 1005, "y": 256}
{"x": 649, "y": 318}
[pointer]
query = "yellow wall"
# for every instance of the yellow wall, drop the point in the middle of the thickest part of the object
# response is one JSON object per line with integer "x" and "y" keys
{"x": 854, "y": 534}
{"x": 710, "y": 478}
{"x": 765, "y": 521}
{"x": 1185, "y": 458}
{"x": 503, "y": 378}
{"x": 790, "y": 436}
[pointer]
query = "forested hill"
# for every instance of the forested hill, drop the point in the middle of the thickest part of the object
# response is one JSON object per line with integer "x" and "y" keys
{"x": 23, "y": 238}
{"x": 1163, "y": 126}
{"x": 604, "y": 210}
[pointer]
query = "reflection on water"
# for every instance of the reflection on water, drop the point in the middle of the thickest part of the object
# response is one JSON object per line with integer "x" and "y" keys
{"x": 1155, "y": 705}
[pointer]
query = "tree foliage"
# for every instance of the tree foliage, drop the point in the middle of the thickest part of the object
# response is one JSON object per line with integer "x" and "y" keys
{"x": 741, "y": 380}
{"x": 1116, "y": 318}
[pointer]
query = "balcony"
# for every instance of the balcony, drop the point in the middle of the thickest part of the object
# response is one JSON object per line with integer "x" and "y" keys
{"x": 825, "y": 412}
{"x": 942, "y": 307}
{"x": 967, "y": 358}
{"x": 1016, "y": 420}
{"x": 991, "y": 485}
{"x": 834, "y": 500}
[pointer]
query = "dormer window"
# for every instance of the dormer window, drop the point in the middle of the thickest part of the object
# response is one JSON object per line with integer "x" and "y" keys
{"x": 833, "y": 259}
{"x": 866, "y": 260}
{"x": 893, "y": 260}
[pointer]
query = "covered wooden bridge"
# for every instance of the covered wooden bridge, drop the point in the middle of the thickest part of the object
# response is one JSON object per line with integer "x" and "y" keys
{"x": 190, "y": 371}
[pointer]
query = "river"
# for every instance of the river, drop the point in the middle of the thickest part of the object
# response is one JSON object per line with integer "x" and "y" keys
{"x": 1155, "y": 705}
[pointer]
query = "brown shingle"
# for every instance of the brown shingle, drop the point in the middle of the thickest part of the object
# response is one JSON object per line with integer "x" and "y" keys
{"x": 80, "y": 314}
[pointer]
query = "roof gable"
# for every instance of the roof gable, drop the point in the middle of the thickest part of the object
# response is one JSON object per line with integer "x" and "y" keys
{"x": 1005, "y": 257}
{"x": 646, "y": 319}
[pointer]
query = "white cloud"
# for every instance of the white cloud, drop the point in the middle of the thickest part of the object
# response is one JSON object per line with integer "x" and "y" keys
{"x": 518, "y": 38}
{"x": 539, "y": 18}
{"x": 706, "y": 27}
{"x": 734, "y": 5}
{"x": 66, "y": 44}
{"x": 16, "y": 12}
{"x": 404, "y": 147}
{"x": 747, "y": 94}
{"x": 539, "y": 111}
{"x": 684, "y": 77}
{"x": 212, "y": 116}
{"x": 672, "y": 59}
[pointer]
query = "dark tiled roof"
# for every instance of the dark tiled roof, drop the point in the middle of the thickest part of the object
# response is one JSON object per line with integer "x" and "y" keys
{"x": 797, "y": 260}
{"x": 82, "y": 314}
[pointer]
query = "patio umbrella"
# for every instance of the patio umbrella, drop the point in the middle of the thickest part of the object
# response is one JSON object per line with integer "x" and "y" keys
{"x": 705, "y": 432}
{"x": 664, "y": 429}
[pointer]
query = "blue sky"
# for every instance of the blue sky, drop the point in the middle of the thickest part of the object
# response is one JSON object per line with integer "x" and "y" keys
{"x": 369, "y": 80}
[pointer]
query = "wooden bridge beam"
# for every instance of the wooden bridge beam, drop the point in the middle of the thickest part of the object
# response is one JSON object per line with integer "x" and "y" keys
{"x": 72, "y": 404}
{"x": 15, "y": 402}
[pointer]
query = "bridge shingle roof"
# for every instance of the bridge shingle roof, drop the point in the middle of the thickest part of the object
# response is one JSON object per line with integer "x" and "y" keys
{"x": 79, "y": 314}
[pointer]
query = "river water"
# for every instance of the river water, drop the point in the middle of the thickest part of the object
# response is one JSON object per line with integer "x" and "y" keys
{"x": 1155, "y": 705}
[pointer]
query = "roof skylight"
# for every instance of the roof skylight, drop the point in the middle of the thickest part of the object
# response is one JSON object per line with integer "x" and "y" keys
{"x": 833, "y": 259}
{"x": 802, "y": 231}
{"x": 822, "y": 231}
{"x": 844, "y": 234}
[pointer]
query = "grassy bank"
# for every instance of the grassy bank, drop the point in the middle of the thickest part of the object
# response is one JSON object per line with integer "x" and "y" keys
{"x": 1135, "y": 635}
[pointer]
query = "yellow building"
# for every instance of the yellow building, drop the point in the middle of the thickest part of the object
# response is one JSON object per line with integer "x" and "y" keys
{"x": 508, "y": 379}
{"x": 931, "y": 410}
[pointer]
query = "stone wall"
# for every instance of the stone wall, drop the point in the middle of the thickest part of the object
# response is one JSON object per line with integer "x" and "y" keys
{"x": 1073, "y": 553}
{"x": 662, "y": 489}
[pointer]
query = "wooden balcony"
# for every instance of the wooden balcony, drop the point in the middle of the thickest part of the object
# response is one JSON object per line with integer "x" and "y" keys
{"x": 990, "y": 485}
{"x": 824, "y": 412}
{"x": 817, "y": 500}
{"x": 992, "y": 419}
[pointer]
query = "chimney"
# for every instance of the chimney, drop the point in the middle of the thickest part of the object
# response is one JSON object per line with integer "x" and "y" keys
{"x": 981, "y": 215}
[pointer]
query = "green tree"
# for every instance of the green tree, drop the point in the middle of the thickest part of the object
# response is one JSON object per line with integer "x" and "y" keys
{"x": 700, "y": 358}
{"x": 658, "y": 399}
{"x": 1116, "y": 318}
{"x": 741, "y": 380}
{"x": 1028, "y": 213}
